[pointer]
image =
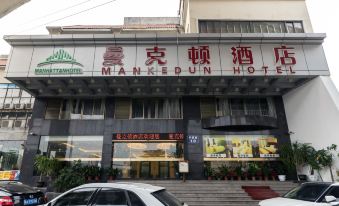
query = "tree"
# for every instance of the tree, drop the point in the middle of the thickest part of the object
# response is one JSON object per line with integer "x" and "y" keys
{"x": 296, "y": 156}
{"x": 325, "y": 158}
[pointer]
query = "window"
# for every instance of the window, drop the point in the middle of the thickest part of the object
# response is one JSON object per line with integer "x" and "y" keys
{"x": 11, "y": 153}
{"x": 245, "y": 106}
{"x": 135, "y": 200}
{"x": 307, "y": 192}
{"x": 214, "y": 26}
{"x": 157, "y": 108}
{"x": 77, "y": 197}
{"x": 75, "y": 109}
{"x": 111, "y": 197}
{"x": 334, "y": 191}
{"x": 70, "y": 148}
{"x": 166, "y": 198}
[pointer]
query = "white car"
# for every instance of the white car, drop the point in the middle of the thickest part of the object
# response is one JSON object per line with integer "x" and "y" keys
{"x": 118, "y": 194}
{"x": 308, "y": 194}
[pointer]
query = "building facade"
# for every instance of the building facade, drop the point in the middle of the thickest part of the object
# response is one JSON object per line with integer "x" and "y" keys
{"x": 16, "y": 110}
{"x": 208, "y": 88}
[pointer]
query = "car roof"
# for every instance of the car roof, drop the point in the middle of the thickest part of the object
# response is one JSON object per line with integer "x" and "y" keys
{"x": 126, "y": 185}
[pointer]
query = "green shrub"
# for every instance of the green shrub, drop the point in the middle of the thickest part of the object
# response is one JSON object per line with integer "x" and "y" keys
{"x": 70, "y": 177}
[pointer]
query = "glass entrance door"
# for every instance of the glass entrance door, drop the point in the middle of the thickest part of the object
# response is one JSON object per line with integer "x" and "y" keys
{"x": 147, "y": 160}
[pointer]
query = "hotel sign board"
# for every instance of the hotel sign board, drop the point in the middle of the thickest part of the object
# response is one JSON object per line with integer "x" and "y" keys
{"x": 148, "y": 136}
{"x": 152, "y": 59}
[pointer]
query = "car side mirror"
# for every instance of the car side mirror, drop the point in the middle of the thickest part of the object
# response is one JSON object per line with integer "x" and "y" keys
{"x": 332, "y": 200}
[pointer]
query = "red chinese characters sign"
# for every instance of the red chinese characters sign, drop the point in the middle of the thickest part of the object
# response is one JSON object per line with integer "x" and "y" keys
{"x": 200, "y": 59}
{"x": 148, "y": 136}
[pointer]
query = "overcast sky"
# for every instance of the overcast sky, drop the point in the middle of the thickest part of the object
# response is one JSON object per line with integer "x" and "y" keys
{"x": 33, "y": 17}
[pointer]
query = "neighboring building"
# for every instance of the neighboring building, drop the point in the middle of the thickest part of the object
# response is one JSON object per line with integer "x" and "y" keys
{"x": 210, "y": 87}
{"x": 15, "y": 112}
{"x": 9, "y": 5}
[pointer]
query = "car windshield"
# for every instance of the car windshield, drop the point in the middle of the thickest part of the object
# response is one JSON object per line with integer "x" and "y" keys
{"x": 166, "y": 198}
{"x": 307, "y": 192}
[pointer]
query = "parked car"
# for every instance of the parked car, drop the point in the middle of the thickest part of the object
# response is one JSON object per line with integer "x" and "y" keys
{"x": 14, "y": 193}
{"x": 121, "y": 193}
{"x": 308, "y": 194}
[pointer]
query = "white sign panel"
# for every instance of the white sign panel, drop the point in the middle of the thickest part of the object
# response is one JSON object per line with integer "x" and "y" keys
{"x": 183, "y": 167}
{"x": 168, "y": 60}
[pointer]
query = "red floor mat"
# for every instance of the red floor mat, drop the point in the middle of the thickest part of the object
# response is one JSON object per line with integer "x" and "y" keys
{"x": 260, "y": 192}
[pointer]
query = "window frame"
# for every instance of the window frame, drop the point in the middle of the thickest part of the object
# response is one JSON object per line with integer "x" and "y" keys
{"x": 249, "y": 26}
{"x": 156, "y": 109}
{"x": 90, "y": 201}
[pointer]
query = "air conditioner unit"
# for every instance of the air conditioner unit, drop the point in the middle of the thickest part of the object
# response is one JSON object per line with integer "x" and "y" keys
{"x": 18, "y": 106}
{"x": 6, "y": 123}
{"x": 28, "y": 106}
{"x": 8, "y": 106}
{"x": 18, "y": 123}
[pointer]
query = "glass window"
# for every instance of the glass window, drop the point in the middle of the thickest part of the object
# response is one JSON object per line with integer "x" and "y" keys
{"x": 77, "y": 197}
{"x": 148, "y": 151}
{"x": 98, "y": 107}
{"x": 166, "y": 198}
{"x": 298, "y": 27}
{"x": 210, "y": 26}
{"x": 252, "y": 107}
{"x": 135, "y": 200}
{"x": 334, "y": 191}
{"x": 88, "y": 107}
{"x": 289, "y": 27}
{"x": 53, "y": 109}
{"x": 157, "y": 108}
{"x": 237, "y": 107}
{"x": 11, "y": 153}
{"x": 76, "y": 106}
{"x": 70, "y": 148}
{"x": 137, "y": 108}
{"x": 307, "y": 192}
{"x": 3, "y": 92}
{"x": 111, "y": 197}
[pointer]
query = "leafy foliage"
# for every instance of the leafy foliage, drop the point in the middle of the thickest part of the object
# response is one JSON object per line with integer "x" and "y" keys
{"x": 70, "y": 177}
{"x": 223, "y": 170}
{"x": 46, "y": 166}
{"x": 252, "y": 169}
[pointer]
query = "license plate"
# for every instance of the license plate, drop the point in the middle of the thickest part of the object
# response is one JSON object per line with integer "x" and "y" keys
{"x": 31, "y": 201}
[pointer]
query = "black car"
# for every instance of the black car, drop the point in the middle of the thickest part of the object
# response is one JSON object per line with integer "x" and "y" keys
{"x": 13, "y": 193}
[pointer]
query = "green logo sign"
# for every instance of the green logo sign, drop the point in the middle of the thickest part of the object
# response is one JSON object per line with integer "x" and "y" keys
{"x": 60, "y": 57}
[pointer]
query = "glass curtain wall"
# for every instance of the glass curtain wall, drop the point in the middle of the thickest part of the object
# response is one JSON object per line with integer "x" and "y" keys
{"x": 11, "y": 153}
{"x": 88, "y": 149}
{"x": 147, "y": 160}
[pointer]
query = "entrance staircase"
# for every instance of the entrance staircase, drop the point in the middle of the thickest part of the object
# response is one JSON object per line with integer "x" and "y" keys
{"x": 217, "y": 192}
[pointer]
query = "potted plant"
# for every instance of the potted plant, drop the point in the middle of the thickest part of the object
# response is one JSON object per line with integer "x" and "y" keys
{"x": 238, "y": 171}
{"x": 265, "y": 170}
{"x": 46, "y": 167}
{"x": 280, "y": 169}
{"x": 252, "y": 170}
{"x": 209, "y": 172}
{"x": 87, "y": 172}
{"x": 95, "y": 172}
{"x": 223, "y": 171}
{"x": 232, "y": 174}
{"x": 112, "y": 173}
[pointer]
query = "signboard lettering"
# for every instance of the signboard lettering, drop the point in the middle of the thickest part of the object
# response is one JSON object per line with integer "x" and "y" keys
{"x": 149, "y": 136}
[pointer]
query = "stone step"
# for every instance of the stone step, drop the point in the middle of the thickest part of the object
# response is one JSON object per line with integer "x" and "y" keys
{"x": 227, "y": 195}
{"x": 217, "y": 192}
